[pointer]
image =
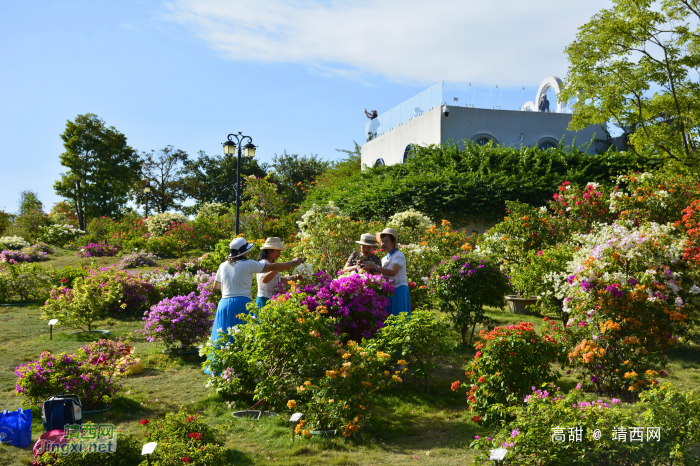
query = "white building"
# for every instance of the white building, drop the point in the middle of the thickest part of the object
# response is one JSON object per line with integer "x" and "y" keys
{"x": 437, "y": 116}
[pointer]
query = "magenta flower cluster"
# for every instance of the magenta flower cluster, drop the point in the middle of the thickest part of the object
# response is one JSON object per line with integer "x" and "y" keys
{"x": 100, "y": 249}
{"x": 88, "y": 373}
{"x": 359, "y": 300}
{"x": 180, "y": 321}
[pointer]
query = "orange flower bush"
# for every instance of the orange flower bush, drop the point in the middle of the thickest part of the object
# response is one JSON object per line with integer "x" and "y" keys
{"x": 508, "y": 362}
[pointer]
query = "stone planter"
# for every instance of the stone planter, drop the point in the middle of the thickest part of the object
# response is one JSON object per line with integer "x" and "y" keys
{"x": 254, "y": 414}
{"x": 518, "y": 304}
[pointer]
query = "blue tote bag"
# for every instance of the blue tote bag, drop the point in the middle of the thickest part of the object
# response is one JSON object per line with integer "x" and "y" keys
{"x": 16, "y": 427}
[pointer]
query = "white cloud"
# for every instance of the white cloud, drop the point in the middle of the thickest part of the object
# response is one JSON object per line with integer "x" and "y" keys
{"x": 492, "y": 41}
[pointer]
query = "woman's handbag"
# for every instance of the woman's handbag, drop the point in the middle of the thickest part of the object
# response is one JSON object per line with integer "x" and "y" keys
{"x": 16, "y": 427}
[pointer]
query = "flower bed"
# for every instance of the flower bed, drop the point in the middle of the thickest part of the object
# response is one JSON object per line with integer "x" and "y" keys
{"x": 100, "y": 249}
{"x": 92, "y": 373}
{"x": 14, "y": 243}
{"x": 28, "y": 254}
{"x": 139, "y": 259}
{"x": 24, "y": 282}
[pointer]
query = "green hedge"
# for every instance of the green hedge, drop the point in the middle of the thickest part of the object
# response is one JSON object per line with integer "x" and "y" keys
{"x": 467, "y": 184}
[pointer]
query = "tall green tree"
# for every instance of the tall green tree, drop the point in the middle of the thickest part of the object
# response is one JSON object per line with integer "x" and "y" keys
{"x": 293, "y": 172}
{"x": 636, "y": 64}
{"x": 163, "y": 169}
{"x": 29, "y": 202}
{"x": 102, "y": 168}
{"x": 213, "y": 179}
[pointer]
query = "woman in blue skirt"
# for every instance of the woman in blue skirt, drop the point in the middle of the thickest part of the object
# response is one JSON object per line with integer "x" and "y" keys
{"x": 235, "y": 280}
{"x": 394, "y": 269}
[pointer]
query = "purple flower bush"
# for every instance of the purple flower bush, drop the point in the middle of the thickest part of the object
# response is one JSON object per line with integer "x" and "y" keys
{"x": 358, "y": 300}
{"x": 100, "y": 249}
{"x": 92, "y": 374}
{"x": 27, "y": 254}
{"x": 135, "y": 293}
{"x": 139, "y": 259}
{"x": 180, "y": 321}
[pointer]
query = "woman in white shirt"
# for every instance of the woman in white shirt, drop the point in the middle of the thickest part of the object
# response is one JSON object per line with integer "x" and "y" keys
{"x": 394, "y": 269}
{"x": 235, "y": 280}
{"x": 269, "y": 282}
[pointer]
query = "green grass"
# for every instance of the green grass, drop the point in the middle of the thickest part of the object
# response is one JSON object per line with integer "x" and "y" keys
{"x": 435, "y": 426}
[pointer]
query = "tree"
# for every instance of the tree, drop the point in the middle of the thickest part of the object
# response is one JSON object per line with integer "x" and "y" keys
{"x": 292, "y": 172}
{"x": 102, "y": 168}
{"x": 163, "y": 169}
{"x": 213, "y": 179}
{"x": 31, "y": 215}
{"x": 63, "y": 213}
{"x": 635, "y": 64}
{"x": 29, "y": 202}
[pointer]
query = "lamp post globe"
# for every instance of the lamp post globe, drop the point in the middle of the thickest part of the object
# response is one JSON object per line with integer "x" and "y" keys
{"x": 146, "y": 191}
{"x": 234, "y": 141}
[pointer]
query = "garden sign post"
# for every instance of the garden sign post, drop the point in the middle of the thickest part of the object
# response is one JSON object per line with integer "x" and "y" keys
{"x": 229, "y": 151}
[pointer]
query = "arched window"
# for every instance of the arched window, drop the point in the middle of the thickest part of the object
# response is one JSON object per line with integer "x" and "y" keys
{"x": 380, "y": 161}
{"x": 408, "y": 152}
{"x": 547, "y": 144}
{"x": 483, "y": 140}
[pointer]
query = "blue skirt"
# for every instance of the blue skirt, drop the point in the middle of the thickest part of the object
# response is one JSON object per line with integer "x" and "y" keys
{"x": 261, "y": 301}
{"x": 400, "y": 302}
{"x": 225, "y": 317}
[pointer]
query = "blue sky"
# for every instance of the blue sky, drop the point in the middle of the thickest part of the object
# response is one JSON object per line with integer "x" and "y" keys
{"x": 294, "y": 75}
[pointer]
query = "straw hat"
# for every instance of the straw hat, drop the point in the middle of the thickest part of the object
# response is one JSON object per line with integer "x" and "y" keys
{"x": 368, "y": 239}
{"x": 388, "y": 231}
{"x": 238, "y": 247}
{"x": 274, "y": 243}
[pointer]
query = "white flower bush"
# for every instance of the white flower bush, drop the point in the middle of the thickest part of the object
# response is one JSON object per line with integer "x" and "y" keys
{"x": 159, "y": 223}
{"x": 304, "y": 269}
{"x": 13, "y": 243}
{"x": 59, "y": 235}
{"x": 212, "y": 209}
{"x": 316, "y": 213}
{"x": 410, "y": 224}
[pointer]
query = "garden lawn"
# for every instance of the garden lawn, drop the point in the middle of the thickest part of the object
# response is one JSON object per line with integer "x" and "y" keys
{"x": 67, "y": 257}
{"x": 435, "y": 427}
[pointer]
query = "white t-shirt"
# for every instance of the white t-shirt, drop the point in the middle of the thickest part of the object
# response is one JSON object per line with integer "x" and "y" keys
{"x": 399, "y": 259}
{"x": 236, "y": 278}
{"x": 271, "y": 288}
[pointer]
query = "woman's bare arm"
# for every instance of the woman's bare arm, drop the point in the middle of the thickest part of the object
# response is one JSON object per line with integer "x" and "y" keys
{"x": 217, "y": 285}
{"x": 276, "y": 267}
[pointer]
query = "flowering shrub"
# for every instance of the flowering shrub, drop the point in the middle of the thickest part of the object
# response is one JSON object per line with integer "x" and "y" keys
{"x": 212, "y": 210}
{"x": 411, "y": 225}
{"x": 59, "y": 235}
{"x": 508, "y": 361}
{"x": 180, "y": 321}
{"x": 262, "y": 203}
{"x": 160, "y": 223}
{"x": 177, "y": 283}
{"x": 173, "y": 242}
{"x": 24, "y": 282}
{"x": 65, "y": 276}
{"x": 575, "y": 209}
{"x": 134, "y": 294}
{"x": 420, "y": 338}
{"x": 92, "y": 374}
{"x": 464, "y": 284}
{"x": 184, "y": 438}
{"x": 627, "y": 436}
{"x": 100, "y": 249}
{"x": 327, "y": 236}
{"x": 139, "y": 259}
{"x": 14, "y": 243}
{"x": 285, "y": 343}
{"x": 341, "y": 399}
{"x": 628, "y": 304}
{"x": 28, "y": 254}
{"x": 358, "y": 300}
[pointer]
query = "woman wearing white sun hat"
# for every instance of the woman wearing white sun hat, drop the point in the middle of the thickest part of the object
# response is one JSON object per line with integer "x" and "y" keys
{"x": 235, "y": 280}
{"x": 394, "y": 269}
{"x": 269, "y": 281}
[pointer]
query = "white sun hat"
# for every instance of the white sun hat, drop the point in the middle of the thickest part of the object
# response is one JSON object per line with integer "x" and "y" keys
{"x": 238, "y": 247}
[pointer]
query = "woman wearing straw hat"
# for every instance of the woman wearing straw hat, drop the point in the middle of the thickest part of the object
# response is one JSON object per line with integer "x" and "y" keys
{"x": 394, "y": 269}
{"x": 269, "y": 282}
{"x": 235, "y": 280}
{"x": 368, "y": 243}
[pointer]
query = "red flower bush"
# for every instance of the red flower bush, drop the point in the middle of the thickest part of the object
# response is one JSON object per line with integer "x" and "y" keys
{"x": 508, "y": 362}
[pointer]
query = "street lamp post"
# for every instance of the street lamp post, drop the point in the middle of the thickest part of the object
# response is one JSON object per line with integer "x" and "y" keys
{"x": 146, "y": 191}
{"x": 229, "y": 151}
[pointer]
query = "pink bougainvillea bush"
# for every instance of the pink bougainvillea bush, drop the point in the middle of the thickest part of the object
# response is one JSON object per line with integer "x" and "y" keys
{"x": 100, "y": 249}
{"x": 92, "y": 373}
